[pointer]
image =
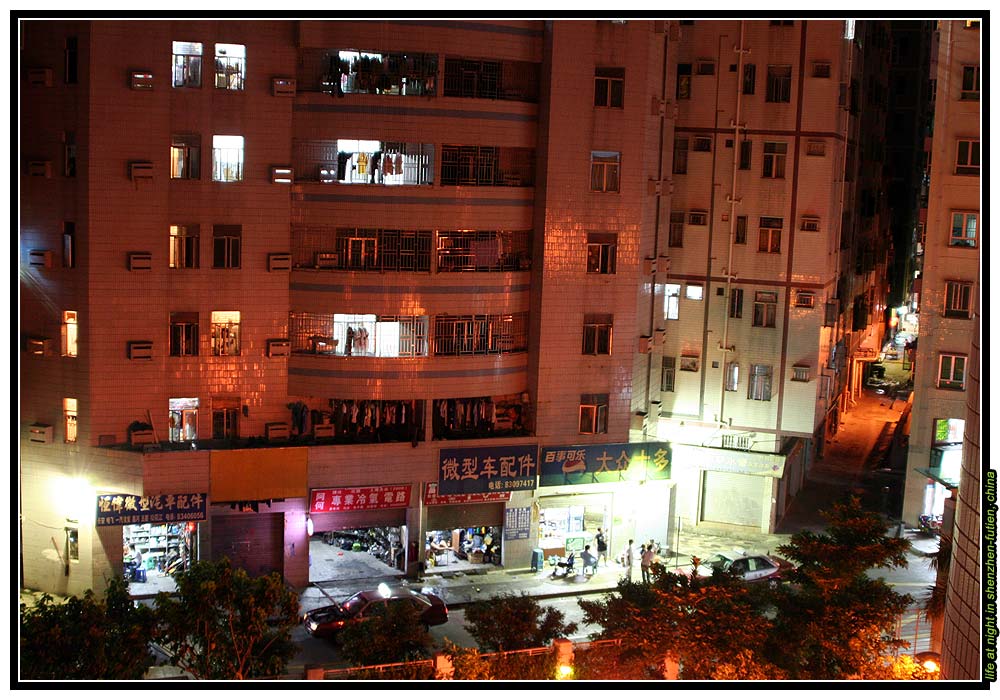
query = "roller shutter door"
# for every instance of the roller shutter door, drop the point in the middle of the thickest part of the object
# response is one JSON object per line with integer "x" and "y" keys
{"x": 729, "y": 497}
{"x": 252, "y": 542}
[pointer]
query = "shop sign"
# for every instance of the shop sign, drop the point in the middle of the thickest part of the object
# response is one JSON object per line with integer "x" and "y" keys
{"x": 359, "y": 498}
{"x": 720, "y": 460}
{"x": 433, "y": 498}
{"x": 516, "y": 523}
{"x": 593, "y": 464}
{"x": 126, "y": 509}
{"x": 488, "y": 469}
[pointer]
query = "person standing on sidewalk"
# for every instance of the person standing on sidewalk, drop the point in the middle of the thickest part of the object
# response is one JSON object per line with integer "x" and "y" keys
{"x": 602, "y": 547}
{"x": 646, "y": 562}
{"x": 629, "y": 559}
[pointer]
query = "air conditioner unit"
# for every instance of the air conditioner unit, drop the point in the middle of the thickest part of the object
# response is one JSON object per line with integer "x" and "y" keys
{"x": 277, "y": 431}
{"x": 638, "y": 421}
{"x": 661, "y": 335}
{"x": 281, "y": 174}
{"x": 140, "y": 170}
{"x": 40, "y": 258}
{"x": 39, "y": 346}
{"x": 327, "y": 261}
{"x": 656, "y": 188}
{"x": 140, "y": 261}
{"x": 140, "y": 349}
{"x": 40, "y": 434}
{"x": 40, "y": 77}
{"x": 645, "y": 344}
{"x": 283, "y": 87}
{"x": 40, "y": 168}
{"x": 279, "y": 347}
{"x": 279, "y": 262}
{"x": 140, "y": 80}
{"x": 649, "y": 266}
{"x": 324, "y": 430}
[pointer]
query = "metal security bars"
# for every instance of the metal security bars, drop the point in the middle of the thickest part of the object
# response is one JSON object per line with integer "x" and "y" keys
{"x": 481, "y": 334}
{"x": 483, "y": 251}
{"x": 487, "y": 166}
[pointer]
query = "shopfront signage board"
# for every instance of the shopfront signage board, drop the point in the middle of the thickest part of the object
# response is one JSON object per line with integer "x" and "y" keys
{"x": 720, "y": 460}
{"x": 359, "y": 498}
{"x": 126, "y": 509}
{"x": 488, "y": 469}
{"x": 603, "y": 463}
{"x": 433, "y": 498}
{"x": 516, "y": 523}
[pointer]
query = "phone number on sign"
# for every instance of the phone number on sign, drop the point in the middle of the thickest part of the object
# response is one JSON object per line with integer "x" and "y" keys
{"x": 511, "y": 484}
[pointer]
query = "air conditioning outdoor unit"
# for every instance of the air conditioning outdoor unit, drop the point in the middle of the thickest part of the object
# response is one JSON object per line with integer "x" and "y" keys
{"x": 645, "y": 344}
{"x": 277, "y": 431}
{"x": 282, "y": 174}
{"x": 40, "y": 258}
{"x": 279, "y": 347}
{"x": 638, "y": 421}
{"x": 327, "y": 261}
{"x": 140, "y": 349}
{"x": 39, "y": 346}
{"x": 140, "y": 80}
{"x": 40, "y": 77}
{"x": 140, "y": 261}
{"x": 40, "y": 434}
{"x": 283, "y": 87}
{"x": 279, "y": 262}
{"x": 140, "y": 170}
{"x": 324, "y": 430}
{"x": 40, "y": 168}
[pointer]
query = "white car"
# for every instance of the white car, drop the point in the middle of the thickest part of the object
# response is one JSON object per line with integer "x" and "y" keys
{"x": 751, "y": 567}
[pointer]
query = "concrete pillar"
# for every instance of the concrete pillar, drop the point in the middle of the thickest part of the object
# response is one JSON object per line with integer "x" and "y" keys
{"x": 671, "y": 668}
{"x": 564, "y": 652}
{"x": 315, "y": 673}
{"x": 444, "y": 670}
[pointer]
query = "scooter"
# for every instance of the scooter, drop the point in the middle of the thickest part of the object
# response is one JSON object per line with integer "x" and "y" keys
{"x": 564, "y": 568}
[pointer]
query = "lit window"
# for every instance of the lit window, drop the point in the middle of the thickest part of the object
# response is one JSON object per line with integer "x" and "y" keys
{"x": 226, "y": 240}
{"x": 70, "y": 334}
{"x": 230, "y": 66}
{"x": 800, "y": 373}
{"x": 227, "y": 158}
{"x": 604, "y": 171}
{"x": 765, "y": 309}
{"x": 185, "y": 157}
{"x": 732, "y": 376}
{"x": 672, "y": 301}
{"x": 602, "y": 251}
{"x": 695, "y": 292}
{"x": 225, "y": 332}
{"x": 779, "y": 84}
{"x": 182, "y": 422}
{"x": 609, "y": 87}
{"x": 187, "y": 64}
{"x": 69, "y": 419}
{"x": 963, "y": 228}
{"x": 805, "y": 299}
{"x": 593, "y": 414}
{"x": 774, "y": 160}
{"x": 951, "y": 371}
{"x": 967, "y": 160}
{"x": 184, "y": 246}
{"x": 958, "y": 299}
{"x": 760, "y": 383}
{"x": 597, "y": 334}
{"x": 183, "y": 333}
{"x": 73, "y": 543}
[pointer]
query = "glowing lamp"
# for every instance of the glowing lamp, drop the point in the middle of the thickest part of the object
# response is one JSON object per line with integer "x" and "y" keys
{"x": 383, "y": 590}
{"x": 309, "y": 526}
{"x": 564, "y": 672}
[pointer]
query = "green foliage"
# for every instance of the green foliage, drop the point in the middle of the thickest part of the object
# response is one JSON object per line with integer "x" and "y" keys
{"x": 223, "y": 624}
{"x": 508, "y": 621}
{"x": 612, "y": 663}
{"x": 469, "y": 664}
{"x": 407, "y": 672}
{"x": 86, "y": 638}
{"x": 473, "y": 665}
{"x": 393, "y": 634}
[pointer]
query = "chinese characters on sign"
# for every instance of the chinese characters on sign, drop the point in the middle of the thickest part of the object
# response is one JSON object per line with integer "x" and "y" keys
{"x": 488, "y": 469}
{"x": 589, "y": 464}
{"x": 433, "y": 498}
{"x": 359, "y": 498}
{"x": 517, "y": 523}
{"x": 125, "y": 509}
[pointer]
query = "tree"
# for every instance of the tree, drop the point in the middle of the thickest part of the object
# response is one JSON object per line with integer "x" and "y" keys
{"x": 223, "y": 624}
{"x": 393, "y": 633}
{"x": 508, "y": 621}
{"x": 86, "y": 638}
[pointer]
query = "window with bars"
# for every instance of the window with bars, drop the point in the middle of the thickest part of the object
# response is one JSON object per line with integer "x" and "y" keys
{"x": 609, "y": 87}
{"x": 697, "y": 217}
{"x": 951, "y": 371}
{"x": 230, "y": 66}
{"x": 806, "y": 300}
{"x": 359, "y": 335}
{"x": 779, "y": 84}
{"x": 957, "y": 299}
{"x": 490, "y": 79}
{"x": 815, "y": 148}
{"x": 675, "y": 238}
{"x": 801, "y": 373}
{"x": 343, "y": 72}
{"x": 480, "y": 334}
{"x": 668, "y": 373}
{"x": 185, "y": 156}
{"x": 604, "y": 167}
{"x": 487, "y": 166}
{"x": 736, "y": 302}
{"x": 759, "y": 383}
{"x": 225, "y": 333}
{"x": 602, "y": 253}
{"x": 183, "y": 333}
{"x": 765, "y": 309}
{"x": 187, "y": 64}
{"x": 227, "y": 158}
{"x": 680, "y": 165}
{"x": 702, "y": 144}
{"x": 226, "y": 243}
{"x": 774, "y": 159}
{"x": 593, "y": 414}
{"x": 770, "y": 235}
{"x": 483, "y": 251}
{"x": 810, "y": 223}
{"x": 597, "y": 334}
{"x": 963, "y": 229}
{"x": 381, "y": 250}
{"x": 967, "y": 159}
{"x": 741, "y": 230}
{"x": 821, "y": 69}
{"x": 184, "y": 246}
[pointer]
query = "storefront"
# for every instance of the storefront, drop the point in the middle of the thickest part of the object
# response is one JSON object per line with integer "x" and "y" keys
{"x": 357, "y": 531}
{"x": 464, "y": 527}
{"x": 159, "y": 533}
{"x": 624, "y": 489}
{"x": 943, "y": 473}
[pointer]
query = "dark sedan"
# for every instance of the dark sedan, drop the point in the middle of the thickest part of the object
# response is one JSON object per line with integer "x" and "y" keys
{"x": 328, "y": 620}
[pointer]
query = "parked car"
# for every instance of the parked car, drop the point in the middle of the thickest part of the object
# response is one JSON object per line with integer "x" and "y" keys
{"x": 754, "y": 568}
{"x": 328, "y": 620}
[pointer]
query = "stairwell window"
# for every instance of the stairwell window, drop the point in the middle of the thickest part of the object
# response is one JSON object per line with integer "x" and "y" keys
{"x": 779, "y": 84}
{"x": 184, "y": 334}
{"x": 187, "y": 64}
{"x": 951, "y": 371}
{"x": 604, "y": 167}
{"x": 736, "y": 302}
{"x": 69, "y": 244}
{"x": 765, "y": 309}
{"x": 683, "y": 81}
{"x": 732, "y": 376}
{"x": 227, "y": 158}
{"x": 225, "y": 333}
{"x": 675, "y": 238}
{"x": 967, "y": 159}
{"x": 230, "y": 66}
{"x": 749, "y": 78}
{"x": 69, "y": 420}
{"x": 680, "y": 165}
{"x": 759, "y": 383}
{"x": 609, "y": 87}
{"x": 593, "y": 414}
{"x": 70, "y": 334}
{"x": 671, "y": 301}
{"x": 597, "y": 334}
{"x": 184, "y": 242}
{"x": 226, "y": 243}
{"x": 741, "y": 230}
{"x": 770, "y": 235}
{"x": 185, "y": 157}
{"x": 958, "y": 299}
{"x": 668, "y": 373}
{"x": 746, "y": 154}
{"x": 774, "y": 160}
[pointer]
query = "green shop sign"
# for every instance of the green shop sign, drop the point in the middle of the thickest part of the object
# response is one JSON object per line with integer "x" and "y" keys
{"x": 598, "y": 464}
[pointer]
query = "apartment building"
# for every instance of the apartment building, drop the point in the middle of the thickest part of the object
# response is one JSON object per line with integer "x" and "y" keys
{"x": 949, "y": 280}
{"x": 776, "y": 245}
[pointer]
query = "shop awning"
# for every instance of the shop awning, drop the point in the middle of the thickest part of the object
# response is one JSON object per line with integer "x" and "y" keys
{"x": 946, "y": 465}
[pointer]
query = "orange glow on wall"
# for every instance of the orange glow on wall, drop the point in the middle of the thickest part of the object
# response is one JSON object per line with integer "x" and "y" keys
{"x": 257, "y": 475}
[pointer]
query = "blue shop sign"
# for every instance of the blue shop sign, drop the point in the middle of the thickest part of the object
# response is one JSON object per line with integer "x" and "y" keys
{"x": 517, "y": 523}
{"x": 594, "y": 464}
{"x": 126, "y": 509}
{"x": 488, "y": 469}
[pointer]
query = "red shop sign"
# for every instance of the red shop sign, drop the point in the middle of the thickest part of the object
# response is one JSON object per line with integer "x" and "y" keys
{"x": 359, "y": 498}
{"x": 433, "y": 498}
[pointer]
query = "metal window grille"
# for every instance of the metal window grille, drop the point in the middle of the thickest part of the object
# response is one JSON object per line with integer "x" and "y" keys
{"x": 485, "y": 334}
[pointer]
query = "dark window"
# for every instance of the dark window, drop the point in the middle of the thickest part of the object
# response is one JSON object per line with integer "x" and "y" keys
{"x": 770, "y": 234}
{"x": 760, "y": 383}
{"x": 736, "y": 302}
{"x": 597, "y": 333}
{"x": 951, "y": 371}
{"x": 609, "y": 87}
{"x": 185, "y": 157}
{"x": 683, "y": 81}
{"x": 184, "y": 246}
{"x": 183, "y": 334}
{"x": 706, "y": 68}
{"x": 774, "y": 160}
{"x": 485, "y": 79}
{"x": 958, "y": 299}
{"x": 741, "y": 230}
{"x": 821, "y": 70}
{"x": 702, "y": 144}
{"x": 225, "y": 418}
{"x": 602, "y": 251}
{"x": 486, "y": 166}
{"x": 604, "y": 167}
{"x": 749, "y": 78}
{"x": 963, "y": 228}
{"x": 782, "y": 23}
{"x": 72, "y": 60}
{"x": 593, "y": 413}
{"x": 967, "y": 162}
{"x": 480, "y": 251}
{"x": 765, "y": 309}
{"x": 69, "y": 153}
{"x": 69, "y": 244}
{"x": 676, "y": 236}
{"x": 226, "y": 246}
{"x": 779, "y": 84}
{"x": 680, "y": 156}
{"x": 746, "y": 152}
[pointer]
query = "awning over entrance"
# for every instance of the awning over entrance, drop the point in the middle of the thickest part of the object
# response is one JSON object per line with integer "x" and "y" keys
{"x": 946, "y": 465}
